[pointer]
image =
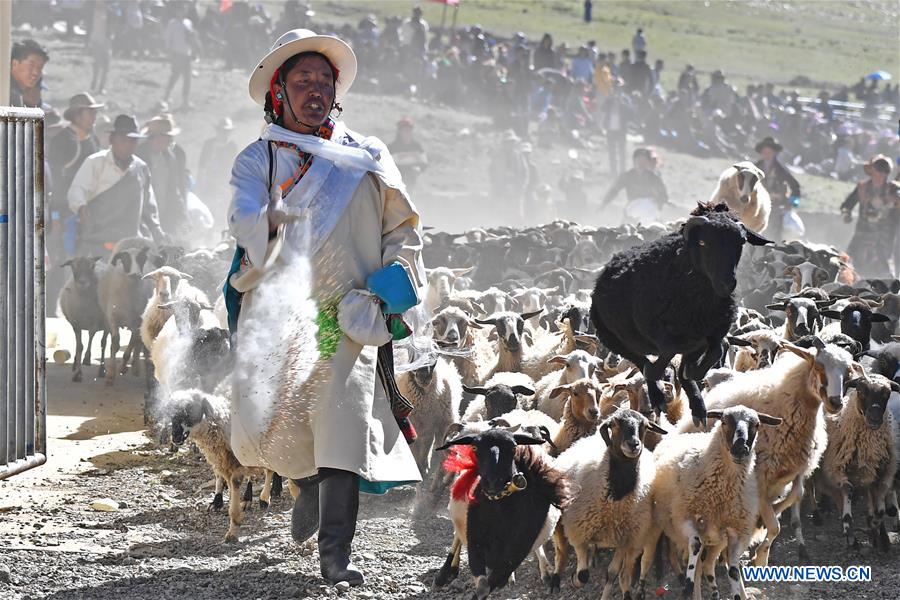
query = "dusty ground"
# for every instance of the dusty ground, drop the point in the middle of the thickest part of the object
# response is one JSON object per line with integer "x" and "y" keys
{"x": 164, "y": 543}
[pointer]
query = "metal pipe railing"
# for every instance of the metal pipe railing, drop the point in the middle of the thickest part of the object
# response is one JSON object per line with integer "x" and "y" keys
{"x": 23, "y": 440}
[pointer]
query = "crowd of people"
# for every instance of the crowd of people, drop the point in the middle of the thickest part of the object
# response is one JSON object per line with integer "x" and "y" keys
{"x": 539, "y": 93}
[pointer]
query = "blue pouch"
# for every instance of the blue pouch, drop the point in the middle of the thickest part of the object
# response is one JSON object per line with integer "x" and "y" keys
{"x": 392, "y": 285}
{"x": 70, "y": 234}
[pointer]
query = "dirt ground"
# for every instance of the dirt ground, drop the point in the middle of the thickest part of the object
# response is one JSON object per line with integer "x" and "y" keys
{"x": 163, "y": 542}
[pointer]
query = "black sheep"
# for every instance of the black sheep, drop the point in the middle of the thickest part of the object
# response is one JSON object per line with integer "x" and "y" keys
{"x": 674, "y": 296}
{"x": 516, "y": 489}
{"x": 856, "y": 321}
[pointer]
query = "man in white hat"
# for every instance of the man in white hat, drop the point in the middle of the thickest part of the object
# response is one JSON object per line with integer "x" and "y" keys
{"x": 169, "y": 174}
{"x": 342, "y": 434}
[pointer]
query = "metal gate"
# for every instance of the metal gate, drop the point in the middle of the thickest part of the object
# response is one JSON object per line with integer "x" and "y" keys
{"x": 23, "y": 435}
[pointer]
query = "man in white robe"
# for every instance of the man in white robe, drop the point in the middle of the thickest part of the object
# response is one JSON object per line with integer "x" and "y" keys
{"x": 337, "y": 434}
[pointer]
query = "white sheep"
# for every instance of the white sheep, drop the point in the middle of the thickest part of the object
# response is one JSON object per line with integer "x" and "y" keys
{"x": 153, "y": 318}
{"x": 581, "y": 412}
{"x": 794, "y": 389}
{"x": 705, "y": 496}
{"x": 205, "y": 419}
{"x": 435, "y": 390}
{"x": 614, "y": 507}
{"x": 455, "y": 332}
{"x": 740, "y": 187}
{"x": 441, "y": 281}
{"x": 861, "y": 455}
{"x": 123, "y": 297}
{"x": 577, "y": 364}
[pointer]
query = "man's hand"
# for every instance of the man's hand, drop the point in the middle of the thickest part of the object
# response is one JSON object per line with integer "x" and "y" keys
{"x": 278, "y": 212}
{"x": 847, "y": 216}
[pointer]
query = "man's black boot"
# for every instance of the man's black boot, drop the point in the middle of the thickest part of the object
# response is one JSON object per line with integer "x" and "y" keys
{"x": 338, "y": 508}
{"x": 305, "y": 515}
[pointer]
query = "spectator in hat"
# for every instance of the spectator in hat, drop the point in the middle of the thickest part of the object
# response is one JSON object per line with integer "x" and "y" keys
{"x": 414, "y": 32}
{"x": 169, "y": 174}
{"x": 112, "y": 195}
{"x": 70, "y": 147}
{"x": 783, "y": 188}
{"x": 875, "y": 237}
{"x": 27, "y": 60}
{"x": 213, "y": 170}
{"x": 181, "y": 41}
{"x": 409, "y": 155}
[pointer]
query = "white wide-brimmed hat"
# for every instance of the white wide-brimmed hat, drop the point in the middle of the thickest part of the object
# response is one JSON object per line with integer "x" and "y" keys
{"x": 298, "y": 41}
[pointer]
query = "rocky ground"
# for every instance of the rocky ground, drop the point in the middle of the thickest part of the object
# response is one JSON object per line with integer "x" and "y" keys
{"x": 163, "y": 542}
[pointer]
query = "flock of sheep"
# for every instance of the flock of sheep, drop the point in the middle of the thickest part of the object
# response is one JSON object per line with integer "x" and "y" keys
{"x": 664, "y": 391}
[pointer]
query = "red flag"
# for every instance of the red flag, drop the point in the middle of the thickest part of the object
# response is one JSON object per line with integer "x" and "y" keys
{"x": 225, "y": 5}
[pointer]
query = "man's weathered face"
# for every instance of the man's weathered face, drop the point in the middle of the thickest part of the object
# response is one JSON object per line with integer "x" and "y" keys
{"x": 160, "y": 143}
{"x": 310, "y": 90}
{"x": 27, "y": 72}
{"x": 86, "y": 118}
{"x": 879, "y": 177}
{"x": 122, "y": 146}
{"x": 767, "y": 154}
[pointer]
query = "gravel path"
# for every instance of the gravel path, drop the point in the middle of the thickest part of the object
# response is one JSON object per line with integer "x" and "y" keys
{"x": 163, "y": 542}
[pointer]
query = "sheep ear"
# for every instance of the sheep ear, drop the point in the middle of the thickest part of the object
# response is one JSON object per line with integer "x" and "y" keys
{"x": 557, "y": 360}
{"x": 604, "y": 433}
{"x": 852, "y": 383}
{"x": 68, "y": 263}
{"x": 477, "y": 306}
{"x": 463, "y": 271}
{"x": 500, "y": 422}
{"x": 486, "y": 321}
{"x": 736, "y": 341}
{"x": 790, "y": 271}
{"x": 765, "y": 419}
{"x": 478, "y": 391}
{"x": 96, "y": 258}
{"x": 780, "y": 307}
{"x": 714, "y": 414}
{"x": 522, "y": 389}
{"x": 535, "y": 313}
{"x": 879, "y": 318}
{"x": 466, "y": 440}
{"x": 895, "y": 386}
{"x": 818, "y": 343}
{"x": 563, "y": 389}
{"x": 824, "y": 303}
{"x": 452, "y": 430}
{"x": 801, "y": 352}
{"x": 833, "y": 314}
{"x": 651, "y": 426}
{"x": 524, "y": 439}
{"x": 754, "y": 239}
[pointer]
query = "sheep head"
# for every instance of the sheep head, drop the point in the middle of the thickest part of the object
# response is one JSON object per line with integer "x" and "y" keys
{"x": 872, "y": 395}
{"x": 714, "y": 243}
{"x": 829, "y": 367}
{"x": 584, "y": 399}
{"x": 495, "y": 451}
{"x": 83, "y": 273}
{"x": 499, "y": 399}
{"x": 738, "y": 428}
{"x": 624, "y": 433}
